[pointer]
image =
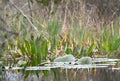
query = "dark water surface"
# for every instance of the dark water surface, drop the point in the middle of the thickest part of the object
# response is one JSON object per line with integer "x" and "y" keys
{"x": 97, "y": 71}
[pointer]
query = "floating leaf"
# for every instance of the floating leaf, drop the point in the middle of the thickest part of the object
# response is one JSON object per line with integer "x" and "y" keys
{"x": 65, "y": 58}
{"x": 85, "y": 60}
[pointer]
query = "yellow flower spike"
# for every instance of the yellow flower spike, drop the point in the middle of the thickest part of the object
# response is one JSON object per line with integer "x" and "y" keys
{"x": 112, "y": 29}
{"x": 56, "y": 49}
{"x": 65, "y": 37}
{"x": 9, "y": 47}
{"x": 61, "y": 44}
{"x": 119, "y": 30}
{"x": 94, "y": 42}
{"x": 49, "y": 45}
{"x": 16, "y": 42}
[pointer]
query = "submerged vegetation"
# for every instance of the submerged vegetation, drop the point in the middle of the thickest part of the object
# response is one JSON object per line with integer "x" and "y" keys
{"x": 37, "y": 32}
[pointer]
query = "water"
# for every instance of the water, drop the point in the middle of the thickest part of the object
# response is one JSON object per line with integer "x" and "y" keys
{"x": 100, "y": 70}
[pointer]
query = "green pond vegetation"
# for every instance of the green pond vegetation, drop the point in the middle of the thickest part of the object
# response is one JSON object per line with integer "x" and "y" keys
{"x": 39, "y": 37}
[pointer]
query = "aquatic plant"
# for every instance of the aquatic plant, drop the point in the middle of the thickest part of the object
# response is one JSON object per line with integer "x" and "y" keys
{"x": 85, "y": 60}
{"x": 65, "y": 58}
{"x": 34, "y": 52}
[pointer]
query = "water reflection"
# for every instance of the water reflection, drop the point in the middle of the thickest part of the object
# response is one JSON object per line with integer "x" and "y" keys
{"x": 59, "y": 71}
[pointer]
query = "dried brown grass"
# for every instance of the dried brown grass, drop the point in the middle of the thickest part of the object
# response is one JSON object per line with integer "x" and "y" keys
{"x": 93, "y": 13}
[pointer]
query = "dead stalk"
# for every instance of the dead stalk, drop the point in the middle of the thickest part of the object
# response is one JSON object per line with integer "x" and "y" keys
{"x": 32, "y": 25}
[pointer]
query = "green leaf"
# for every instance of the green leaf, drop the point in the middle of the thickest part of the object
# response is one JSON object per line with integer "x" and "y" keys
{"x": 38, "y": 51}
{"x": 37, "y": 46}
{"x": 116, "y": 44}
{"x": 82, "y": 51}
{"x": 27, "y": 46}
{"x": 90, "y": 50}
{"x": 44, "y": 49}
{"x": 22, "y": 49}
{"x": 68, "y": 50}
